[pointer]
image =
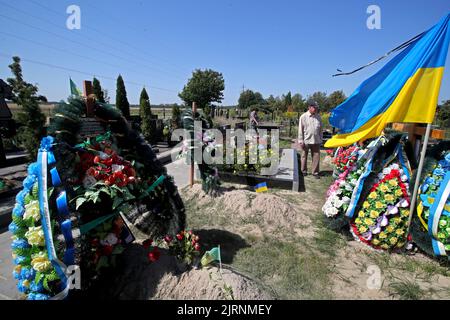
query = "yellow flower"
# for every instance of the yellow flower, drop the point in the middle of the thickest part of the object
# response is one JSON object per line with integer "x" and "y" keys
{"x": 358, "y": 221}
{"x": 393, "y": 240}
{"x": 397, "y": 220}
{"x": 18, "y": 268}
{"x": 35, "y": 236}
{"x": 362, "y": 229}
{"x": 384, "y": 188}
{"x": 374, "y": 214}
{"x": 366, "y": 204}
{"x": 32, "y": 211}
{"x": 376, "y": 242}
{"x": 393, "y": 182}
{"x": 373, "y": 195}
{"x": 399, "y": 232}
{"x": 390, "y": 229}
{"x": 400, "y": 244}
{"x": 382, "y": 235}
{"x": 388, "y": 197}
{"x": 398, "y": 192}
{"x": 361, "y": 214}
{"x": 384, "y": 246}
{"x": 379, "y": 204}
{"x": 40, "y": 262}
{"x": 404, "y": 213}
{"x": 369, "y": 221}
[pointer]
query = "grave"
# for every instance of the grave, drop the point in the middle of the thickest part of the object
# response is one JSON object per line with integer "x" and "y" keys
{"x": 287, "y": 176}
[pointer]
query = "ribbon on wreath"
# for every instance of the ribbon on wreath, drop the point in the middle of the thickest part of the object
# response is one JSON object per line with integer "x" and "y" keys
{"x": 45, "y": 156}
{"x": 436, "y": 211}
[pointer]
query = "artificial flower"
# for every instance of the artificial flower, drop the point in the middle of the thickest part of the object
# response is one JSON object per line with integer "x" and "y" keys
{"x": 32, "y": 211}
{"x": 379, "y": 204}
{"x": 366, "y": 205}
{"x": 373, "y": 195}
{"x": 35, "y": 236}
{"x": 40, "y": 262}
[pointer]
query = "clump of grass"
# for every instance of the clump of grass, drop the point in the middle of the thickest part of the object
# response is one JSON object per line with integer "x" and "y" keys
{"x": 292, "y": 270}
{"x": 328, "y": 242}
{"x": 406, "y": 289}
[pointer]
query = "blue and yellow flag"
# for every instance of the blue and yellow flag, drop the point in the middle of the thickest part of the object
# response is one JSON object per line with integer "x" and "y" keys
{"x": 405, "y": 90}
{"x": 261, "y": 187}
{"x": 210, "y": 256}
{"x": 73, "y": 89}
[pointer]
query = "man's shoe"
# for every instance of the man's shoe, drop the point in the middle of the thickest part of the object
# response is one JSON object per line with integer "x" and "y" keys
{"x": 304, "y": 174}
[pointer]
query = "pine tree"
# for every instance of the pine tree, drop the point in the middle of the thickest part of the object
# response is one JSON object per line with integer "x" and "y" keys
{"x": 31, "y": 119}
{"x": 121, "y": 98}
{"x": 98, "y": 90}
{"x": 145, "y": 112}
{"x": 176, "y": 116}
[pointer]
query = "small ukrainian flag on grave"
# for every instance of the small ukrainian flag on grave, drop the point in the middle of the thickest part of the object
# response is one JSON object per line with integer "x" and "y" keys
{"x": 261, "y": 187}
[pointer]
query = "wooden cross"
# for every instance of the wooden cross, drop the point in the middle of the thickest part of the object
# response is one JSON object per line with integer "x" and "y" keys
{"x": 416, "y": 132}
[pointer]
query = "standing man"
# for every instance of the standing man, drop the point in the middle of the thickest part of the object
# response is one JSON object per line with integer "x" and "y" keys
{"x": 310, "y": 137}
{"x": 253, "y": 119}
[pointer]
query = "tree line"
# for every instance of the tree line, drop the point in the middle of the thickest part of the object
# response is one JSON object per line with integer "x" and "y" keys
{"x": 249, "y": 99}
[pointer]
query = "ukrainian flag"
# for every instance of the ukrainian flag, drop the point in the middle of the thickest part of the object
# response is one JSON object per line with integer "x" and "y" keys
{"x": 261, "y": 187}
{"x": 405, "y": 90}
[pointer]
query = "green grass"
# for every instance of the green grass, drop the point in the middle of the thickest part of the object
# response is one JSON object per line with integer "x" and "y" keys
{"x": 290, "y": 268}
{"x": 406, "y": 289}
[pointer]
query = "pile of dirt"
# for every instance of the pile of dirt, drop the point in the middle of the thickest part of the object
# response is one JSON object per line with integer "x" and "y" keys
{"x": 271, "y": 211}
{"x": 138, "y": 279}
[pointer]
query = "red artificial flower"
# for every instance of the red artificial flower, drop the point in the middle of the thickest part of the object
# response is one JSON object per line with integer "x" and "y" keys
{"x": 97, "y": 159}
{"x": 168, "y": 239}
{"x": 197, "y": 247}
{"x": 147, "y": 243}
{"x": 179, "y": 237}
{"x": 107, "y": 250}
{"x": 154, "y": 255}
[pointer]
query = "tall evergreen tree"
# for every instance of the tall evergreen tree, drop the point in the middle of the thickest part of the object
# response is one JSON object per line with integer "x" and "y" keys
{"x": 145, "y": 112}
{"x": 31, "y": 119}
{"x": 121, "y": 98}
{"x": 98, "y": 90}
{"x": 176, "y": 116}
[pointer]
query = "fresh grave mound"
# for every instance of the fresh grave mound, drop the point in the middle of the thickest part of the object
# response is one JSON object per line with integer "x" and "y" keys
{"x": 137, "y": 279}
{"x": 266, "y": 208}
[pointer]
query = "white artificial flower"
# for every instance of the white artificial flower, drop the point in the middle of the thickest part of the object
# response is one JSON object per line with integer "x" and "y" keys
{"x": 386, "y": 171}
{"x": 354, "y": 182}
{"x": 110, "y": 239}
{"x": 346, "y": 200}
{"x": 404, "y": 178}
{"x": 342, "y": 183}
{"x": 380, "y": 176}
{"x": 339, "y": 191}
{"x": 338, "y": 203}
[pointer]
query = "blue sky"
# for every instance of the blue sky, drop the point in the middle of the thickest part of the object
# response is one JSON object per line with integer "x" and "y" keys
{"x": 269, "y": 46}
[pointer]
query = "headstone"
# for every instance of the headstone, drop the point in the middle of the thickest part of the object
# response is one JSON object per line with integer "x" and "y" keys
{"x": 91, "y": 127}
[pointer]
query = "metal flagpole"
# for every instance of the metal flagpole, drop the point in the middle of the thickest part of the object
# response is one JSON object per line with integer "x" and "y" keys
{"x": 418, "y": 176}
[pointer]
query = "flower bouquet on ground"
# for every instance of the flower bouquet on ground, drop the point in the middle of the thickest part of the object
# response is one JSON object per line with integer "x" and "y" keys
{"x": 344, "y": 159}
{"x": 184, "y": 247}
{"x": 431, "y": 224}
{"x": 382, "y": 220}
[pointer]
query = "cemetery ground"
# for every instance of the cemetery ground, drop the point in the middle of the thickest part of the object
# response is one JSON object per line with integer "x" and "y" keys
{"x": 274, "y": 245}
{"x": 279, "y": 239}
